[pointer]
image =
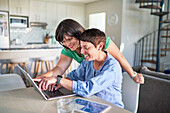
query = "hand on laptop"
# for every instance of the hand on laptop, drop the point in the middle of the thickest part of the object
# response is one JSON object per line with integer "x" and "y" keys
{"x": 46, "y": 83}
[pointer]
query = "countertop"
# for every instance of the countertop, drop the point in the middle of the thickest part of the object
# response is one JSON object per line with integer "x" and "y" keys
{"x": 30, "y": 51}
{"x": 32, "y": 46}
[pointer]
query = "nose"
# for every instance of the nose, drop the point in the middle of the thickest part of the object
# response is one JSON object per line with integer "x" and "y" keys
{"x": 67, "y": 43}
{"x": 82, "y": 51}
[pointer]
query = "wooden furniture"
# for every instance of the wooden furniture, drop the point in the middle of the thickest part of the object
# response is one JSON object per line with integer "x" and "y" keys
{"x": 4, "y": 66}
{"x": 19, "y": 61}
{"x": 29, "y": 100}
{"x": 47, "y": 61}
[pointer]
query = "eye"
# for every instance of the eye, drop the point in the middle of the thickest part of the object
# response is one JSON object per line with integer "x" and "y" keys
{"x": 86, "y": 48}
{"x": 63, "y": 42}
{"x": 70, "y": 39}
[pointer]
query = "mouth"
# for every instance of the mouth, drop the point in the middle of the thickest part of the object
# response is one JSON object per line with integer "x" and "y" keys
{"x": 70, "y": 47}
{"x": 86, "y": 57}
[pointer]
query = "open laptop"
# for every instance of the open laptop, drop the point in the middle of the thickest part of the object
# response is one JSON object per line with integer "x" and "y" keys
{"x": 48, "y": 95}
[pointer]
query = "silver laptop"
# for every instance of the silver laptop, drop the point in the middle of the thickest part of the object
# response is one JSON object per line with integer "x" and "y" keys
{"x": 48, "y": 95}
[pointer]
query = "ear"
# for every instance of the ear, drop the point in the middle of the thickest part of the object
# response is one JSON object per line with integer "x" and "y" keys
{"x": 100, "y": 46}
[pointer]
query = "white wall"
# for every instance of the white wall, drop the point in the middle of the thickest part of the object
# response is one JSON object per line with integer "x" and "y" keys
{"x": 133, "y": 23}
{"x": 136, "y": 23}
{"x": 110, "y": 7}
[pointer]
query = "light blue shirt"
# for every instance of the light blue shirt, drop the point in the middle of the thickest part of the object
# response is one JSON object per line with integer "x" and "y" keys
{"x": 106, "y": 83}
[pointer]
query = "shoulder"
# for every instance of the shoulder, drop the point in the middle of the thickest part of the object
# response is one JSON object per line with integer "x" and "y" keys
{"x": 108, "y": 41}
{"x": 111, "y": 62}
{"x": 64, "y": 50}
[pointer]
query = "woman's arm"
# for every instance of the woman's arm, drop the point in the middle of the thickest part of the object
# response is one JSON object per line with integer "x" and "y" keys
{"x": 62, "y": 65}
{"x": 123, "y": 62}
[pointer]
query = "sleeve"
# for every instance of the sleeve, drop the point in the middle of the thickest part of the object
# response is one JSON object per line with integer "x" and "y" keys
{"x": 102, "y": 80}
{"x": 108, "y": 40}
{"x": 77, "y": 74}
{"x": 66, "y": 52}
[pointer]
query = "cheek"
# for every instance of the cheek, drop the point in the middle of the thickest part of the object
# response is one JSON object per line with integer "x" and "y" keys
{"x": 75, "y": 42}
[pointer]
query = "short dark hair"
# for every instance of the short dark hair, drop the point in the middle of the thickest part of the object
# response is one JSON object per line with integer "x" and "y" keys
{"x": 95, "y": 36}
{"x": 68, "y": 27}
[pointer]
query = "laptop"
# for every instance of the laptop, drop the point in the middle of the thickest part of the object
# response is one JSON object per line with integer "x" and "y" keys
{"x": 48, "y": 95}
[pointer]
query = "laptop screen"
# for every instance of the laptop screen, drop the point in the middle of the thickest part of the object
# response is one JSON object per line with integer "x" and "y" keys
{"x": 48, "y": 95}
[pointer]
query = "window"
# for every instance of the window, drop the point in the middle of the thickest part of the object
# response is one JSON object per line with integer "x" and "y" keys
{"x": 97, "y": 20}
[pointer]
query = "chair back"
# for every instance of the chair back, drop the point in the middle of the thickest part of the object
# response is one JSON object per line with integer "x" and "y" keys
{"x": 130, "y": 93}
{"x": 11, "y": 82}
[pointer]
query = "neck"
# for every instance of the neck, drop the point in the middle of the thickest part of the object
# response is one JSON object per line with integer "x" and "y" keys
{"x": 100, "y": 60}
{"x": 78, "y": 51}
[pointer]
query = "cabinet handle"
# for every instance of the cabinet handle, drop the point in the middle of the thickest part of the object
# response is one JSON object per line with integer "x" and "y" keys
{"x": 20, "y": 10}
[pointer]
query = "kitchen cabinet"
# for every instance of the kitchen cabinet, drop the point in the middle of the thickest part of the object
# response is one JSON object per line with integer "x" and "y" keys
{"x": 38, "y": 11}
{"x": 77, "y": 12}
{"x": 61, "y": 12}
{"x": 70, "y": 10}
{"x": 51, "y": 15}
{"x": 4, "y": 5}
{"x": 19, "y": 7}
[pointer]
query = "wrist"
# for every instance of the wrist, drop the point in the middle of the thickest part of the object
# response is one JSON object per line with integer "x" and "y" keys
{"x": 134, "y": 75}
{"x": 59, "y": 77}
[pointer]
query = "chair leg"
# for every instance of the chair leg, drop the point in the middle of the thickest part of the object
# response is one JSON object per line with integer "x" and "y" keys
{"x": 23, "y": 76}
{"x": 9, "y": 69}
{"x": 2, "y": 67}
{"x": 25, "y": 66}
{"x": 46, "y": 64}
{"x": 42, "y": 69}
{"x": 38, "y": 64}
{"x": 35, "y": 67}
{"x": 49, "y": 65}
{"x": 52, "y": 64}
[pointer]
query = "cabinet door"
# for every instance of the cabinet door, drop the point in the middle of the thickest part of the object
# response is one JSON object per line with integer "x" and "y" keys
{"x": 51, "y": 15}
{"x": 42, "y": 11}
{"x": 24, "y": 7}
{"x": 13, "y": 7}
{"x": 61, "y": 12}
{"x": 77, "y": 12}
{"x": 4, "y": 5}
{"x": 37, "y": 11}
{"x": 19, "y": 7}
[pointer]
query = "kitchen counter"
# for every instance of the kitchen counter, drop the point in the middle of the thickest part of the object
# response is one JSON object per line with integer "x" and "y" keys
{"x": 32, "y": 46}
{"x": 30, "y": 51}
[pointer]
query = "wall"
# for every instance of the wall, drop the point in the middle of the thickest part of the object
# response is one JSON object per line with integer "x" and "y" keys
{"x": 136, "y": 23}
{"x": 110, "y": 7}
{"x": 27, "y": 35}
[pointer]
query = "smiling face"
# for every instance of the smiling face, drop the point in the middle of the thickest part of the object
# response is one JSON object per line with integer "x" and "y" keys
{"x": 89, "y": 51}
{"x": 71, "y": 42}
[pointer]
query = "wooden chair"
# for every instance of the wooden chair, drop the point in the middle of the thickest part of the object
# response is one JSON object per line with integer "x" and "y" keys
{"x": 21, "y": 61}
{"x": 46, "y": 63}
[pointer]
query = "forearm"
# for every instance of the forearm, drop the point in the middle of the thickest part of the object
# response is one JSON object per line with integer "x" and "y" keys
{"x": 57, "y": 71}
{"x": 126, "y": 66}
{"x": 67, "y": 83}
{"x": 120, "y": 58}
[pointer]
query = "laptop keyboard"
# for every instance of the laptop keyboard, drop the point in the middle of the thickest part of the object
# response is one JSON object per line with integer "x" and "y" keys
{"x": 54, "y": 93}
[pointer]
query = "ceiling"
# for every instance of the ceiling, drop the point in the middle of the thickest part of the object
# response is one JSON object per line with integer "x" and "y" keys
{"x": 80, "y": 1}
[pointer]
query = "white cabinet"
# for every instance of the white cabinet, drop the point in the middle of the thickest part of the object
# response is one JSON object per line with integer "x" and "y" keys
{"x": 19, "y": 7}
{"x": 70, "y": 10}
{"x": 4, "y": 5}
{"x": 77, "y": 12}
{"x": 61, "y": 12}
{"x": 51, "y": 15}
{"x": 37, "y": 11}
